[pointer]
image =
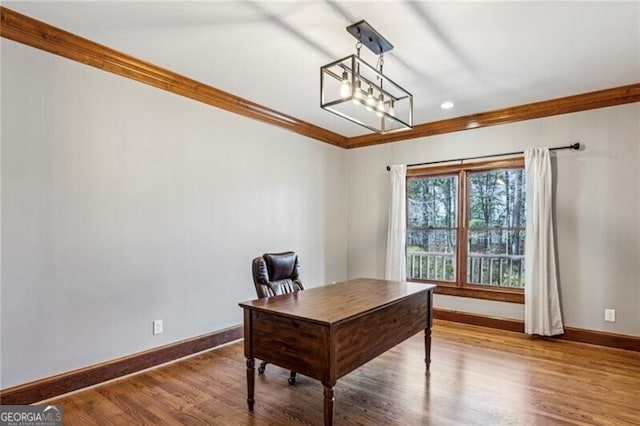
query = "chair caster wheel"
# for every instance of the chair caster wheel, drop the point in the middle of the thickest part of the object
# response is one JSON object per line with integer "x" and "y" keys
{"x": 291, "y": 381}
{"x": 261, "y": 370}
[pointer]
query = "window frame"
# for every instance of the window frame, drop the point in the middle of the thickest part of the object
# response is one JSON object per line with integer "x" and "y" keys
{"x": 461, "y": 287}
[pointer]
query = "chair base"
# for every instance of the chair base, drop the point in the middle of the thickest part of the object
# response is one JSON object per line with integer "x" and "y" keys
{"x": 292, "y": 378}
{"x": 292, "y": 375}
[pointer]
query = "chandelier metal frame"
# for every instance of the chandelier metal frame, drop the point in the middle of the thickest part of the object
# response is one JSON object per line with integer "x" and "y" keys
{"x": 385, "y": 106}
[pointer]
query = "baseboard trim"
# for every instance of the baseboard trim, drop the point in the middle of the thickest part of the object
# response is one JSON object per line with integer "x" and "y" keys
{"x": 601, "y": 338}
{"x": 50, "y": 387}
{"x": 592, "y": 337}
{"x": 481, "y": 320}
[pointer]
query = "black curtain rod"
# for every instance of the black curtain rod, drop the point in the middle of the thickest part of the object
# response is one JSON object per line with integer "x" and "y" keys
{"x": 575, "y": 146}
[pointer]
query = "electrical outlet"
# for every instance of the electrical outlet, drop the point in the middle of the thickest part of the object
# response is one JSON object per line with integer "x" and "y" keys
{"x": 157, "y": 327}
{"x": 610, "y": 315}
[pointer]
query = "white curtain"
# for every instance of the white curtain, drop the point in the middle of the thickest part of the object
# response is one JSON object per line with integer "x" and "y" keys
{"x": 541, "y": 301}
{"x": 396, "y": 268}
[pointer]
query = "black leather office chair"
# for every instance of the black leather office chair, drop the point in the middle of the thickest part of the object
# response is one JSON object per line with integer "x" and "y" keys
{"x": 275, "y": 274}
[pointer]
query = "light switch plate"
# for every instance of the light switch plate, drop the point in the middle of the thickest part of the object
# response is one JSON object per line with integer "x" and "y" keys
{"x": 158, "y": 327}
{"x": 610, "y": 315}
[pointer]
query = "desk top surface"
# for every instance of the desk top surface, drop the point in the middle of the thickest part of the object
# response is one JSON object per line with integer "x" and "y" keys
{"x": 334, "y": 303}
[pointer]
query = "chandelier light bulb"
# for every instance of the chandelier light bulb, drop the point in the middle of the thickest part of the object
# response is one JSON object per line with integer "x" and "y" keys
{"x": 357, "y": 93}
{"x": 380, "y": 107}
{"x": 371, "y": 101}
{"x": 392, "y": 110}
{"x": 345, "y": 88}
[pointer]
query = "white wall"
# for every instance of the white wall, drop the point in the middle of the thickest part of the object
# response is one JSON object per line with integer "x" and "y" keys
{"x": 122, "y": 204}
{"x": 597, "y": 209}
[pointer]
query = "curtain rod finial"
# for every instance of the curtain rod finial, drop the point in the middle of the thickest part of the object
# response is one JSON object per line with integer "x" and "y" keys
{"x": 575, "y": 146}
{"x": 388, "y": 168}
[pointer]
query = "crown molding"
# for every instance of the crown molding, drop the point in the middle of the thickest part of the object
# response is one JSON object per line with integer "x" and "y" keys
{"x": 34, "y": 33}
{"x": 586, "y": 101}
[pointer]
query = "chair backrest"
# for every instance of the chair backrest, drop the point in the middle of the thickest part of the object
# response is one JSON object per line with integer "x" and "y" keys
{"x": 276, "y": 273}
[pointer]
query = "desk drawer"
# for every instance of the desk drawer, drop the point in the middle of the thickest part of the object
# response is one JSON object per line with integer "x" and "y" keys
{"x": 290, "y": 343}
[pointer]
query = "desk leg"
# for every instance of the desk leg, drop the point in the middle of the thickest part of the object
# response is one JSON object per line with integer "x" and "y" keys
{"x": 427, "y": 332}
{"x": 427, "y": 347}
{"x": 251, "y": 382}
{"x": 328, "y": 403}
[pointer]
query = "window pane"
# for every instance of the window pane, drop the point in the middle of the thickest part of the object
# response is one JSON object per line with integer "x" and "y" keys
{"x": 432, "y": 202}
{"x": 497, "y": 199}
{"x": 431, "y": 254}
{"x": 496, "y": 257}
{"x": 497, "y": 218}
{"x": 432, "y": 207}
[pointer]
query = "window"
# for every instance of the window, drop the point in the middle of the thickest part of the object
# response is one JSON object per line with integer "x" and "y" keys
{"x": 468, "y": 218}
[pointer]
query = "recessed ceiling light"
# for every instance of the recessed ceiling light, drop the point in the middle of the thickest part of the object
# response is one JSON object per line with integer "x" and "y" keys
{"x": 446, "y": 105}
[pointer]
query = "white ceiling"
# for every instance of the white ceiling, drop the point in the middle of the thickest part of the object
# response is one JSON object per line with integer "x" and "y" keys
{"x": 480, "y": 55}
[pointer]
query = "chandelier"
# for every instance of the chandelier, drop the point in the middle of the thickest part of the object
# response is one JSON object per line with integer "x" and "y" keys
{"x": 361, "y": 93}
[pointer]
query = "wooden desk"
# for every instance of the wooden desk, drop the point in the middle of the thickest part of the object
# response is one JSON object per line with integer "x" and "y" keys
{"x": 327, "y": 332}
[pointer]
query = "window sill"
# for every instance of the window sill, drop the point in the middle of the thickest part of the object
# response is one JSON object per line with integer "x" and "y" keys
{"x": 501, "y": 295}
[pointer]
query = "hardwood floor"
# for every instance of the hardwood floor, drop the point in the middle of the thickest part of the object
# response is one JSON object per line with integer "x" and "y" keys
{"x": 479, "y": 376}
